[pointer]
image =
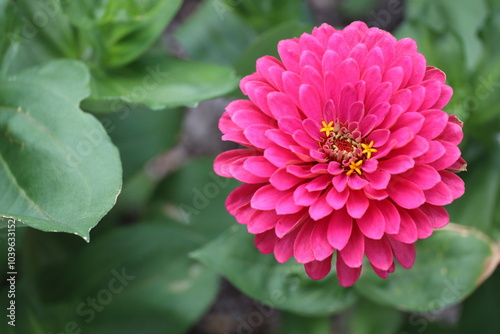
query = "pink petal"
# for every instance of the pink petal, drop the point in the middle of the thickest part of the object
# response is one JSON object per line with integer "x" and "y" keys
{"x": 289, "y": 53}
{"x": 337, "y": 199}
{"x": 318, "y": 269}
{"x": 440, "y": 194}
{"x": 280, "y": 157}
{"x": 438, "y": 215}
{"x": 424, "y": 176}
{"x": 357, "y": 203}
{"x": 244, "y": 118}
{"x": 435, "y": 123}
{"x": 355, "y": 182}
{"x": 319, "y": 242}
{"x": 304, "y": 197}
{"x": 339, "y": 229}
{"x": 372, "y": 224}
{"x": 353, "y": 252}
{"x": 265, "y": 242}
{"x": 286, "y": 205}
{"x": 259, "y": 166}
{"x": 240, "y": 196}
{"x": 340, "y": 182}
{"x": 406, "y": 194}
{"x": 262, "y": 221}
{"x": 319, "y": 183}
{"x": 225, "y": 159}
{"x": 436, "y": 150}
{"x": 302, "y": 250}
{"x": 407, "y": 229}
{"x": 422, "y": 222}
{"x": 283, "y": 180}
{"x": 288, "y": 223}
{"x": 396, "y": 165}
{"x": 283, "y": 248}
{"x": 282, "y": 106}
{"x": 310, "y": 102}
{"x": 452, "y": 133}
{"x": 320, "y": 208}
{"x": 403, "y": 252}
{"x": 378, "y": 179}
{"x": 432, "y": 93}
{"x": 446, "y": 93}
{"x": 241, "y": 174}
{"x": 454, "y": 183}
{"x": 391, "y": 216}
{"x": 347, "y": 275}
{"x": 266, "y": 197}
{"x": 256, "y": 135}
{"x": 379, "y": 253}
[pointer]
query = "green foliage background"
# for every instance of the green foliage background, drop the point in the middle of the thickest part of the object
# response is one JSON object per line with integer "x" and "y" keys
{"x": 93, "y": 128}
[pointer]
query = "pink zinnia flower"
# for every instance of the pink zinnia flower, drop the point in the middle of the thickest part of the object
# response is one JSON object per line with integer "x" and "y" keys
{"x": 348, "y": 150}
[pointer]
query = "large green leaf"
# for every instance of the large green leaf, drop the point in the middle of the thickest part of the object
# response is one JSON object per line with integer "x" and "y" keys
{"x": 158, "y": 82}
{"x": 449, "y": 266}
{"x": 285, "y": 286}
{"x": 58, "y": 169}
{"x": 135, "y": 279}
{"x": 115, "y": 32}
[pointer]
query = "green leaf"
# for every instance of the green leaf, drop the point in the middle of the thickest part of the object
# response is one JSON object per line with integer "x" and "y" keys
{"x": 267, "y": 44}
{"x": 138, "y": 272}
{"x": 58, "y": 167}
{"x": 158, "y": 82}
{"x": 296, "y": 324}
{"x": 194, "y": 195}
{"x": 284, "y": 286}
{"x": 449, "y": 266}
{"x": 369, "y": 317}
{"x": 214, "y": 33}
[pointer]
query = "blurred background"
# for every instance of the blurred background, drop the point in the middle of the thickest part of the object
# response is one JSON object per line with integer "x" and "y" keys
{"x": 163, "y": 260}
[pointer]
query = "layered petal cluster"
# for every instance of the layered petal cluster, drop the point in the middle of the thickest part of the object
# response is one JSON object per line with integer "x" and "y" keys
{"x": 347, "y": 151}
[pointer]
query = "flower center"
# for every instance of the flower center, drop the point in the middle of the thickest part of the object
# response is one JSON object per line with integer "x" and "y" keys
{"x": 346, "y": 147}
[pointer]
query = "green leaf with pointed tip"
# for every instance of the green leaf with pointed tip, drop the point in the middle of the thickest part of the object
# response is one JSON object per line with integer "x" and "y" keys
{"x": 158, "y": 82}
{"x": 282, "y": 285}
{"x": 449, "y": 266}
{"x": 59, "y": 171}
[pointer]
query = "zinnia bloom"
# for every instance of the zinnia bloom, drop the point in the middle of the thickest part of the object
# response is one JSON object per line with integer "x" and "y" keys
{"x": 348, "y": 151}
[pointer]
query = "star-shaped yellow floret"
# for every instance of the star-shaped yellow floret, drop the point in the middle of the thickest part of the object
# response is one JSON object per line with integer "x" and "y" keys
{"x": 368, "y": 149}
{"x": 327, "y": 128}
{"x": 355, "y": 167}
